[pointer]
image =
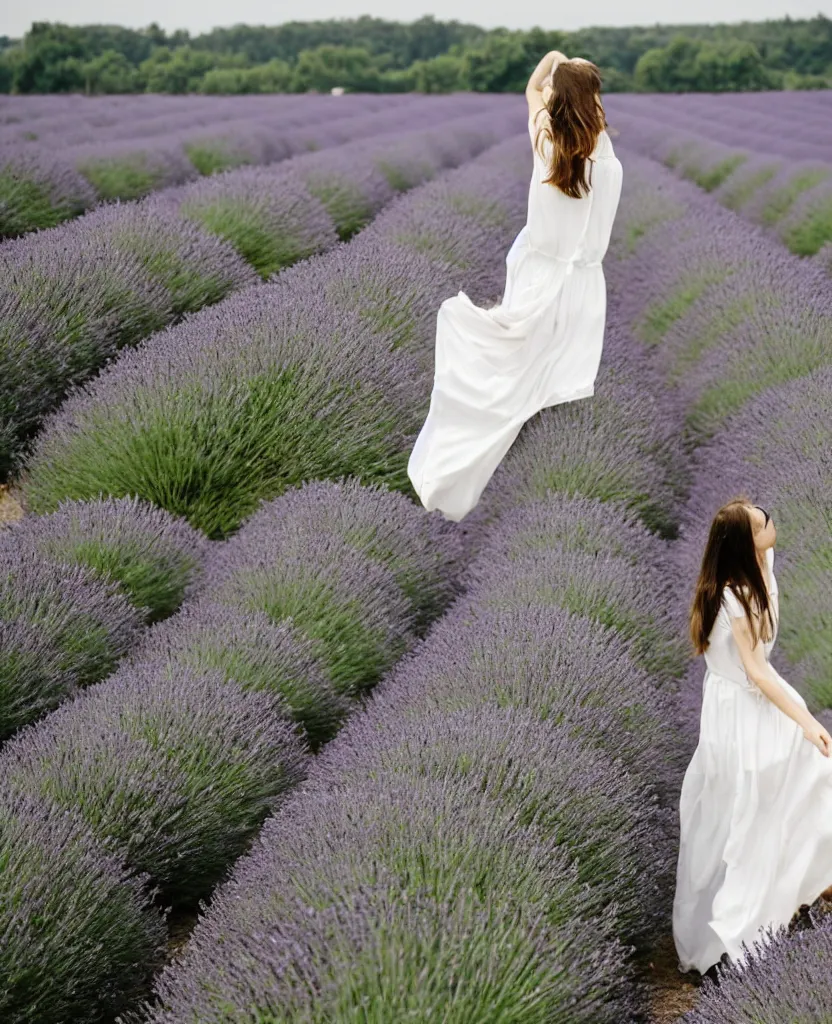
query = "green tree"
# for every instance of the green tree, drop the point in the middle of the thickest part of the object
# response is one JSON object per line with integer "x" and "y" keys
{"x": 445, "y": 73}
{"x": 499, "y": 64}
{"x": 111, "y": 72}
{"x": 275, "y": 76}
{"x": 180, "y": 70}
{"x": 326, "y": 67}
{"x": 696, "y": 65}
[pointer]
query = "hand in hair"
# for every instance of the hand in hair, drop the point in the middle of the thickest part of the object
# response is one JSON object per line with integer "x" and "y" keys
{"x": 541, "y": 76}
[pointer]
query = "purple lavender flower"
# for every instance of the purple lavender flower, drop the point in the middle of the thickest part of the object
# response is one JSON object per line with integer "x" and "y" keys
{"x": 783, "y": 980}
{"x": 422, "y": 551}
{"x": 255, "y": 653}
{"x": 38, "y": 190}
{"x": 68, "y": 304}
{"x": 352, "y": 608}
{"x": 175, "y": 770}
{"x": 561, "y": 667}
{"x": 156, "y": 559}
{"x": 195, "y": 267}
{"x": 412, "y": 844}
{"x": 633, "y": 600}
{"x": 79, "y": 938}
{"x": 123, "y": 170}
{"x": 270, "y": 218}
{"x": 67, "y": 627}
{"x": 607, "y": 820}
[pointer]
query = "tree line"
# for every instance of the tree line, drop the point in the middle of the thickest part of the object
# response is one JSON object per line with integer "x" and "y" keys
{"x": 374, "y": 55}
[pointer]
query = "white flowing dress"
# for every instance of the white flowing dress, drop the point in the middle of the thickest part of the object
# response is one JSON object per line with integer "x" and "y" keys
{"x": 495, "y": 368}
{"x": 755, "y": 811}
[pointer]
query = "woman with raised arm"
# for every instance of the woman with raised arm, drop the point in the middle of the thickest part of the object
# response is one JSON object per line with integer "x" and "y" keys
{"x": 756, "y": 804}
{"x": 542, "y": 344}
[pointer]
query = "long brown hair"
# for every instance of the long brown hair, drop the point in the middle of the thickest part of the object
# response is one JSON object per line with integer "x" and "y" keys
{"x": 730, "y": 560}
{"x": 575, "y": 119}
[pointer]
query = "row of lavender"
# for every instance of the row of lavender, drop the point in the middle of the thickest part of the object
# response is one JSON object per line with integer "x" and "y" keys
{"x": 70, "y": 120}
{"x": 51, "y": 177}
{"x": 76, "y": 295}
{"x": 353, "y": 905}
{"x": 487, "y": 838}
{"x": 776, "y": 188}
{"x": 743, "y": 334}
{"x": 355, "y": 872}
{"x": 137, "y": 794}
{"x": 46, "y": 181}
{"x": 743, "y": 331}
{"x": 783, "y": 124}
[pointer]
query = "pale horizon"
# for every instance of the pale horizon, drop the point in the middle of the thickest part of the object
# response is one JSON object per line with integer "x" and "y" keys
{"x": 199, "y": 16}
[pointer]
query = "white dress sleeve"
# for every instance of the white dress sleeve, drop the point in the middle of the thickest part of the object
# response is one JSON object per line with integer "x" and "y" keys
{"x": 732, "y": 604}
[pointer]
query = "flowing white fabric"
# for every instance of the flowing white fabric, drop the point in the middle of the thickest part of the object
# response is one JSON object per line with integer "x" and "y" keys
{"x": 495, "y": 368}
{"x": 755, "y": 811}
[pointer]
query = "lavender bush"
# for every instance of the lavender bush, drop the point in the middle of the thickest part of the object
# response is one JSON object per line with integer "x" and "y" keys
{"x": 734, "y": 314}
{"x": 156, "y": 559}
{"x": 35, "y": 674}
{"x": 38, "y": 191}
{"x": 607, "y": 820}
{"x": 175, "y": 770}
{"x": 394, "y": 290}
{"x": 413, "y": 844}
{"x": 70, "y": 628}
{"x": 352, "y": 609}
{"x": 327, "y": 962}
{"x": 122, "y": 170}
{"x": 560, "y": 667}
{"x": 421, "y": 550}
{"x": 580, "y": 524}
{"x": 606, "y": 588}
{"x": 808, "y": 226}
{"x": 783, "y": 980}
{"x": 789, "y": 193}
{"x": 270, "y": 388}
{"x": 195, "y": 268}
{"x": 78, "y": 935}
{"x": 255, "y": 653}
{"x": 271, "y": 220}
{"x": 67, "y": 307}
{"x": 247, "y": 400}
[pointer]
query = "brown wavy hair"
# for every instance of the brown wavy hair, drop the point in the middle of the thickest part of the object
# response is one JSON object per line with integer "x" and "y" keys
{"x": 730, "y": 560}
{"x": 575, "y": 119}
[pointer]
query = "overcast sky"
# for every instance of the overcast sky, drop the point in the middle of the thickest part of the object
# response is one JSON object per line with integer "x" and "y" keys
{"x": 201, "y": 15}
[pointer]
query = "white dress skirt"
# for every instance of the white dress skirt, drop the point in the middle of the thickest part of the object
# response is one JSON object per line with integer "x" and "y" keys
{"x": 755, "y": 811}
{"x": 495, "y": 368}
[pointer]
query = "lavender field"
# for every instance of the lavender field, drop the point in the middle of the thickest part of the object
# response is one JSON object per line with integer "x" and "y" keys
{"x": 766, "y": 155}
{"x": 277, "y": 745}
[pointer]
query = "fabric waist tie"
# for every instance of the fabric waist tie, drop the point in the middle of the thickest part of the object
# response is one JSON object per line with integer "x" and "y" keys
{"x": 570, "y": 261}
{"x": 575, "y": 261}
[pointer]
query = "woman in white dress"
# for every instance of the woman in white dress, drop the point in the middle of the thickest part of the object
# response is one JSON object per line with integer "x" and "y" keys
{"x": 756, "y": 803}
{"x": 497, "y": 367}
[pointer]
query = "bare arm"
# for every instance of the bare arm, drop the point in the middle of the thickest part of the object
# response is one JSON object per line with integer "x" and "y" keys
{"x": 539, "y": 82}
{"x": 757, "y": 669}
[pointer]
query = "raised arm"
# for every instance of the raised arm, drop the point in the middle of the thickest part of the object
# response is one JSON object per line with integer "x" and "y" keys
{"x": 539, "y": 83}
{"x": 757, "y": 669}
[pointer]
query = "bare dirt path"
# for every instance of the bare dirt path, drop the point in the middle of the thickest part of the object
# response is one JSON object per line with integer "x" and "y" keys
{"x": 671, "y": 993}
{"x": 10, "y": 509}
